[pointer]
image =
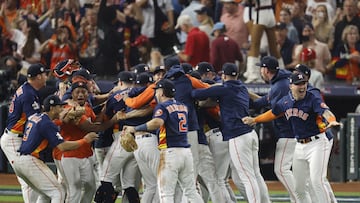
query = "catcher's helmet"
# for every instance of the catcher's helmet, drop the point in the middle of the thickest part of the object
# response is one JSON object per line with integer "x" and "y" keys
{"x": 65, "y": 68}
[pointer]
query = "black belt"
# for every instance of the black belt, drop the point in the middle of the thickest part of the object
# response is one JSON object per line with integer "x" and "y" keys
{"x": 8, "y": 131}
{"x": 264, "y": 7}
{"x": 215, "y": 130}
{"x": 144, "y": 135}
{"x": 308, "y": 139}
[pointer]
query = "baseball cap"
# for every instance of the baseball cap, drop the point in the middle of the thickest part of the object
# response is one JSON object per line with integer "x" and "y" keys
{"x": 218, "y": 26}
{"x": 202, "y": 10}
{"x": 297, "y": 78}
{"x": 204, "y": 67}
{"x": 307, "y": 54}
{"x": 303, "y": 69}
{"x": 125, "y": 76}
{"x": 36, "y": 69}
{"x": 140, "y": 68}
{"x": 171, "y": 61}
{"x": 187, "y": 67}
{"x": 85, "y": 74}
{"x": 140, "y": 40}
{"x": 280, "y": 26}
{"x": 167, "y": 86}
{"x": 79, "y": 84}
{"x": 183, "y": 20}
{"x": 52, "y": 100}
{"x": 158, "y": 69}
{"x": 270, "y": 62}
{"x": 230, "y": 69}
{"x": 144, "y": 78}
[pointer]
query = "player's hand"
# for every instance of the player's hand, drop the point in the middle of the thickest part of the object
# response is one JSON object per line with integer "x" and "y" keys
{"x": 249, "y": 120}
{"x": 333, "y": 124}
{"x": 91, "y": 137}
{"x": 121, "y": 115}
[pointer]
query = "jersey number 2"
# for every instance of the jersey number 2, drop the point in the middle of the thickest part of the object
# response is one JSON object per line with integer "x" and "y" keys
{"x": 182, "y": 122}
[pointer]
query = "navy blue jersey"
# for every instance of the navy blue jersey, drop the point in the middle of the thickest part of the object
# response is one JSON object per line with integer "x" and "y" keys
{"x": 279, "y": 87}
{"x": 173, "y": 133}
{"x": 303, "y": 114}
{"x": 233, "y": 99}
{"x": 24, "y": 103}
{"x": 39, "y": 132}
{"x": 116, "y": 102}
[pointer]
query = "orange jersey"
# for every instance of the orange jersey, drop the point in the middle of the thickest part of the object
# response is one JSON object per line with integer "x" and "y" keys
{"x": 144, "y": 98}
{"x": 71, "y": 132}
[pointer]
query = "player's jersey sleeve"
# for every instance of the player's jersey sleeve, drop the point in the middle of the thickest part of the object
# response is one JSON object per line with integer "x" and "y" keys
{"x": 115, "y": 103}
{"x": 197, "y": 84}
{"x": 318, "y": 105}
{"x": 214, "y": 91}
{"x": 52, "y": 134}
{"x": 145, "y": 97}
{"x": 160, "y": 112}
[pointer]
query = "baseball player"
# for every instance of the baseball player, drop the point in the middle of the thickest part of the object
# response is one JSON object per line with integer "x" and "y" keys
{"x": 117, "y": 161}
{"x": 175, "y": 156}
{"x": 77, "y": 165}
{"x": 302, "y": 108}
{"x": 285, "y": 144}
{"x": 24, "y": 103}
{"x": 40, "y": 132}
{"x": 306, "y": 71}
{"x": 243, "y": 141}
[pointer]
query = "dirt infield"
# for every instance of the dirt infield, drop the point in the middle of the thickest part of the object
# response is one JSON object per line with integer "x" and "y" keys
{"x": 10, "y": 179}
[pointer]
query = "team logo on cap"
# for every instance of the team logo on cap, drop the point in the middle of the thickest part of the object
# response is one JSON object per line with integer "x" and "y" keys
{"x": 300, "y": 77}
{"x": 51, "y": 101}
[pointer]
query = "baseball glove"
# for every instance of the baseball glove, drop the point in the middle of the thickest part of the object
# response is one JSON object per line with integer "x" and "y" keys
{"x": 127, "y": 141}
{"x": 74, "y": 114}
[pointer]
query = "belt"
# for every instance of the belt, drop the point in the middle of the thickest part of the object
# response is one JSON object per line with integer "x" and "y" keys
{"x": 143, "y": 136}
{"x": 308, "y": 139}
{"x": 264, "y": 7}
{"x": 9, "y": 132}
{"x": 215, "y": 130}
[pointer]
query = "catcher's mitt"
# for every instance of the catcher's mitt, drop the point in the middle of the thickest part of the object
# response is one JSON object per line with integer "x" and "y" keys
{"x": 127, "y": 141}
{"x": 74, "y": 114}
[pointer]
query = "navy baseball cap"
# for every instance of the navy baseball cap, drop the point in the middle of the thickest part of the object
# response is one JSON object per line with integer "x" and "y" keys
{"x": 140, "y": 68}
{"x": 79, "y": 84}
{"x": 84, "y": 73}
{"x": 167, "y": 86}
{"x": 52, "y": 100}
{"x": 280, "y": 26}
{"x": 144, "y": 78}
{"x": 125, "y": 76}
{"x": 36, "y": 69}
{"x": 204, "y": 67}
{"x": 171, "y": 61}
{"x": 269, "y": 62}
{"x": 159, "y": 69}
{"x": 187, "y": 67}
{"x": 297, "y": 78}
{"x": 303, "y": 69}
{"x": 230, "y": 69}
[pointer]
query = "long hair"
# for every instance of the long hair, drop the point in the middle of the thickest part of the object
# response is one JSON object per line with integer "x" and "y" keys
{"x": 34, "y": 33}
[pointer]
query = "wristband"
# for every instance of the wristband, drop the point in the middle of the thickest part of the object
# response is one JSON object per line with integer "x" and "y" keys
{"x": 81, "y": 142}
{"x": 141, "y": 127}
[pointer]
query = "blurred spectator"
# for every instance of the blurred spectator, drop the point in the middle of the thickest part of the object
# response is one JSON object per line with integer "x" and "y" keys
{"x": 224, "y": 49}
{"x": 10, "y": 77}
{"x": 311, "y": 6}
{"x": 156, "y": 59}
{"x": 284, "y": 44}
{"x": 346, "y": 59}
{"x": 324, "y": 31}
{"x": 158, "y": 23}
{"x": 299, "y": 18}
{"x": 132, "y": 20}
{"x": 205, "y": 20}
{"x": 109, "y": 58}
{"x": 197, "y": 47}
{"x": 285, "y": 17}
{"x": 190, "y": 11}
{"x": 87, "y": 39}
{"x": 323, "y": 55}
{"x": 143, "y": 45}
{"x": 11, "y": 12}
{"x": 289, "y": 4}
{"x": 61, "y": 48}
{"x": 232, "y": 17}
{"x": 350, "y": 18}
{"x": 308, "y": 57}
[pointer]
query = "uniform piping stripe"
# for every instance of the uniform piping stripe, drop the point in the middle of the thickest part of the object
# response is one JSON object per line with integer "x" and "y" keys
{"x": 281, "y": 172}
{"x": 322, "y": 170}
